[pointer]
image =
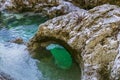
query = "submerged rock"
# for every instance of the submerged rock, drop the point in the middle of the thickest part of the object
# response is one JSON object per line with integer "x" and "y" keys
{"x": 4, "y": 76}
{"x": 18, "y": 41}
{"x": 62, "y": 58}
{"x": 92, "y": 38}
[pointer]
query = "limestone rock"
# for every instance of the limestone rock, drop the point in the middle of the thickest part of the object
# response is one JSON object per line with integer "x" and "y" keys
{"x": 92, "y": 38}
{"x": 51, "y": 8}
{"x": 88, "y": 4}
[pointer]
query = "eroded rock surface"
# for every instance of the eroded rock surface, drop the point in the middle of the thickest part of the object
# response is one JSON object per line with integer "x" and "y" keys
{"x": 92, "y": 38}
{"x": 92, "y": 3}
{"x": 51, "y": 8}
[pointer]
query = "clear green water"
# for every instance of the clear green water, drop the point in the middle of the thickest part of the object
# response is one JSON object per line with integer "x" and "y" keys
{"x": 51, "y": 72}
{"x": 62, "y": 58}
{"x": 60, "y": 65}
{"x": 22, "y": 66}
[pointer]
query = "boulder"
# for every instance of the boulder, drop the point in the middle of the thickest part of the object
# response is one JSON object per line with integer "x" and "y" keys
{"x": 88, "y": 4}
{"x": 56, "y": 7}
{"x": 18, "y": 41}
{"x": 92, "y": 38}
{"x": 51, "y": 8}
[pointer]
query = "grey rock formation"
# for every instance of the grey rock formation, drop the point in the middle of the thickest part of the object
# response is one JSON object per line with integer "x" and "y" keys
{"x": 52, "y": 8}
{"x": 88, "y": 4}
{"x": 92, "y": 38}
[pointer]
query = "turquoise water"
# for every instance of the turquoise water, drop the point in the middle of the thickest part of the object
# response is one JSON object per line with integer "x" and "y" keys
{"x": 51, "y": 72}
{"x": 15, "y": 59}
{"x": 22, "y": 31}
{"x": 60, "y": 65}
{"x": 62, "y": 57}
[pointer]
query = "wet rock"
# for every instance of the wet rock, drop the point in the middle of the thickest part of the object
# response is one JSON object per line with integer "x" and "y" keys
{"x": 18, "y": 41}
{"x": 4, "y": 76}
{"x": 88, "y": 4}
{"x": 92, "y": 38}
{"x": 52, "y": 8}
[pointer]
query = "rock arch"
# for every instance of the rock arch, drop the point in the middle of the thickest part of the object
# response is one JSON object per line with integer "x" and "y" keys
{"x": 45, "y": 41}
{"x": 93, "y": 37}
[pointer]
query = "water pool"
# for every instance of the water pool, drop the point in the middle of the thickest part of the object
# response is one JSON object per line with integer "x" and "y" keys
{"x": 15, "y": 59}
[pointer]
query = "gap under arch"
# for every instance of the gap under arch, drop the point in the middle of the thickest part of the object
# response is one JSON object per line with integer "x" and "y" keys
{"x": 41, "y": 52}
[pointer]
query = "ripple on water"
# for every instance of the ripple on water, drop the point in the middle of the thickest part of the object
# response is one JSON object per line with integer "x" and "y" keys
{"x": 24, "y": 32}
{"x": 15, "y": 61}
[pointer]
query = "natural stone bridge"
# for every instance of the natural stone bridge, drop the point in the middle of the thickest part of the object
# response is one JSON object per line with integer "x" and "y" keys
{"x": 92, "y": 37}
